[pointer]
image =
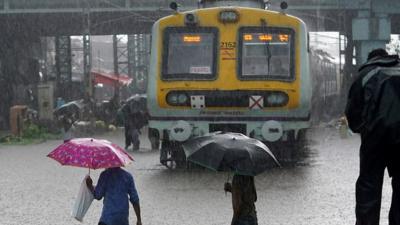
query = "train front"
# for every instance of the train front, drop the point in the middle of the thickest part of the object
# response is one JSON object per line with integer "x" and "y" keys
{"x": 229, "y": 69}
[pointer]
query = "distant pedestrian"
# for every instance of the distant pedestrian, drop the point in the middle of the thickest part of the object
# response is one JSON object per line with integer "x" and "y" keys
{"x": 134, "y": 121}
{"x": 123, "y": 115}
{"x": 66, "y": 123}
{"x": 373, "y": 110}
{"x": 138, "y": 120}
{"x": 116, "y": 186}
{"x": 244, "y": 196}
{"x": 60, "y": 102}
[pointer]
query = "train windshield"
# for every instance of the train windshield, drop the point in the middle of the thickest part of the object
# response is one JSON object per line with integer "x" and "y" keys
{"x": 189, "y": 54}
{"x": 266, "y": 53}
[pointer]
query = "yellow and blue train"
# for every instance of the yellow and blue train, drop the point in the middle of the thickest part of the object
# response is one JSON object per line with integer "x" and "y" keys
{"x": 226, "y": 68}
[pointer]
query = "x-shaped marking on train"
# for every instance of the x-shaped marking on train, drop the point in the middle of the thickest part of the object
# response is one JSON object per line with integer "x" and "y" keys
{"x": 256, "y": 102}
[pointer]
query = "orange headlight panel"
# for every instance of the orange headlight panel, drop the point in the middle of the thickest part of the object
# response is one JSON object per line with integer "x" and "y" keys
{"x": 284, "y": 37}
{"x": 265, "y": 37}
{"x": 248, "y": 37}
{"x": 191, "y": 38}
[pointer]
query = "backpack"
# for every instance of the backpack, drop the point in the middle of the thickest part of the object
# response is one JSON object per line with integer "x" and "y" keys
{"x": 382, "y": 101}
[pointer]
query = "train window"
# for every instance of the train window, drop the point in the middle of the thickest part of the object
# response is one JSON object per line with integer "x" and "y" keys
{"x": 189, "y": 54}
{"x": 266, "y": 53}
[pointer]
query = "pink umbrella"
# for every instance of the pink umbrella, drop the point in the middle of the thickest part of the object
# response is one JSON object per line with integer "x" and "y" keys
{"x": 90, "y": 153}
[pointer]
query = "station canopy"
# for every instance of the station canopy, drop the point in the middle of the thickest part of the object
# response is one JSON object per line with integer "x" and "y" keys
{"x": 110, "y": 79}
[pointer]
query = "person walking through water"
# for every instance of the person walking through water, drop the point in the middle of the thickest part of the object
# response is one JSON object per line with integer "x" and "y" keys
{"x": 244, "y": 196}
{"x": 66, "y": 122}
{"x": 133, "y": 120}
{"x": 115, "y": 185}
{"x": 373, "y": 110}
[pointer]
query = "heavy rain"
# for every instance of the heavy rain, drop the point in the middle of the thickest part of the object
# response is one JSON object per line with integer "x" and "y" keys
{"x": 203, "y": 112}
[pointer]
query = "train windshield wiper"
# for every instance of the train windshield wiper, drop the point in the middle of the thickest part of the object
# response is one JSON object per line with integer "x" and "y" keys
{"x": 267, "y": 50}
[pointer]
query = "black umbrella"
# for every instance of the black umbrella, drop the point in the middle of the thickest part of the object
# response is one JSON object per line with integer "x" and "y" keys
{"x": 222, "y": 151}
{"x": 73, "y": 107}
{"x": 137, "y": 103}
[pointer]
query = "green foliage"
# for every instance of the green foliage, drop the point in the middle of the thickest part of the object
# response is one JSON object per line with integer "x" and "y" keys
{"x": 32, "y": 133}
{"x": 100, "y": 124}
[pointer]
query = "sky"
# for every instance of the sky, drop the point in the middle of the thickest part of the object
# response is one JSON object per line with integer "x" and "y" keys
{"x": 329, "y": 42}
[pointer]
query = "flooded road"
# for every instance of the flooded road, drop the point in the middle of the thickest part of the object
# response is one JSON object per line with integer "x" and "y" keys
{"x": 319, "y": 189}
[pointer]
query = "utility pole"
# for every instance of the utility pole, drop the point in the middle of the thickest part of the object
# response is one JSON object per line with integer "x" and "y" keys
{"x": 116, "y": 67}
{"x": 87, "y": 62}
{"x": 87, "y": 54}
{"x": 121, "y": 60}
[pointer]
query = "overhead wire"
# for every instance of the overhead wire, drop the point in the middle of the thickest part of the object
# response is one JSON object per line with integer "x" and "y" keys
{"x": 132, "y": 14}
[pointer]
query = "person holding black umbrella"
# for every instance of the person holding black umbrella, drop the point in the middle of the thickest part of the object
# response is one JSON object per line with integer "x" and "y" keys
{"x": 244, "y": 156}
{"x": 244, "y": 196}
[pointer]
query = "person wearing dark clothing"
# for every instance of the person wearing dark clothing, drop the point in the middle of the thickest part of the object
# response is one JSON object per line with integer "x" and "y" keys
{"x": 244, "y": 196}
{"x": 378, "y": 150}
{"x": 137, "y": 121}
{"x": 128, "y": 131}
{"x": 115, "y": 185}
{"x": 124, "y": 117}
{"x": 133, "y": 120}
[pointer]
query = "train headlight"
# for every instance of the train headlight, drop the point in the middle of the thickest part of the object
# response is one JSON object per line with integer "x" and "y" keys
{"x": 177, "y": 99}
{"x": 277, "y": 99}
{"x": 172, "y": 99}
{"x": 182, "y": 99}
{"x": 229, "y": 16}
{"x": 191, "y": 19}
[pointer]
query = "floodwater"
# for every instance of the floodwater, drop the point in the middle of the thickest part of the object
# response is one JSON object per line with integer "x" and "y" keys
{"x": 318, "y": 189}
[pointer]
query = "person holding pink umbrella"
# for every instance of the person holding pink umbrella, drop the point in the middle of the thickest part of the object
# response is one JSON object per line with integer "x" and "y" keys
{"x": 115, "y": 185}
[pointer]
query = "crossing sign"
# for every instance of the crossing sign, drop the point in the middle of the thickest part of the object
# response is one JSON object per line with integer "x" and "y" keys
{"x": 256, "y": 102}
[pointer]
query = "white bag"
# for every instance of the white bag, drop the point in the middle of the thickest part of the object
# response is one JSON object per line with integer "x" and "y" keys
{"x": 82, "y": 202}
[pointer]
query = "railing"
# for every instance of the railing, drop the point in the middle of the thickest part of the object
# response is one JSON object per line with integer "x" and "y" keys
{"x": 33, "y": 6}
{"x": 26, "y": 6}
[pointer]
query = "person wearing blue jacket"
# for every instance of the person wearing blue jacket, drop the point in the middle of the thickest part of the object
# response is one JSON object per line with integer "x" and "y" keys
{"x": 117, "y": 188}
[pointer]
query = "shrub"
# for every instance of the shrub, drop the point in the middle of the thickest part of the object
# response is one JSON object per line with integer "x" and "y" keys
{"x": 33, "y": 131}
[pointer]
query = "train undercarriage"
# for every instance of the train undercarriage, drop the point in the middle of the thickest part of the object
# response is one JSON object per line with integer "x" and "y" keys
{"x": 286, "y": 151}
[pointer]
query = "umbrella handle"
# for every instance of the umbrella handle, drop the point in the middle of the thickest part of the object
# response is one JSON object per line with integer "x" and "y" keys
{"x": 89, "y": 172}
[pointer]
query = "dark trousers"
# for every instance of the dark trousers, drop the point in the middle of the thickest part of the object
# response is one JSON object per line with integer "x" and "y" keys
{"x": 246, "y": 220}
{"x": 135, "y": 133}
{"x": 373, "y": 161}
{"x": 132, "y": 137}
{"x": 128, "y": 138}
{"x": 101, "y": 223}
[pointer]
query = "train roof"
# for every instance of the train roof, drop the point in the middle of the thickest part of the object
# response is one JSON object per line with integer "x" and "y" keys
{"x": 257, "y": 11}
